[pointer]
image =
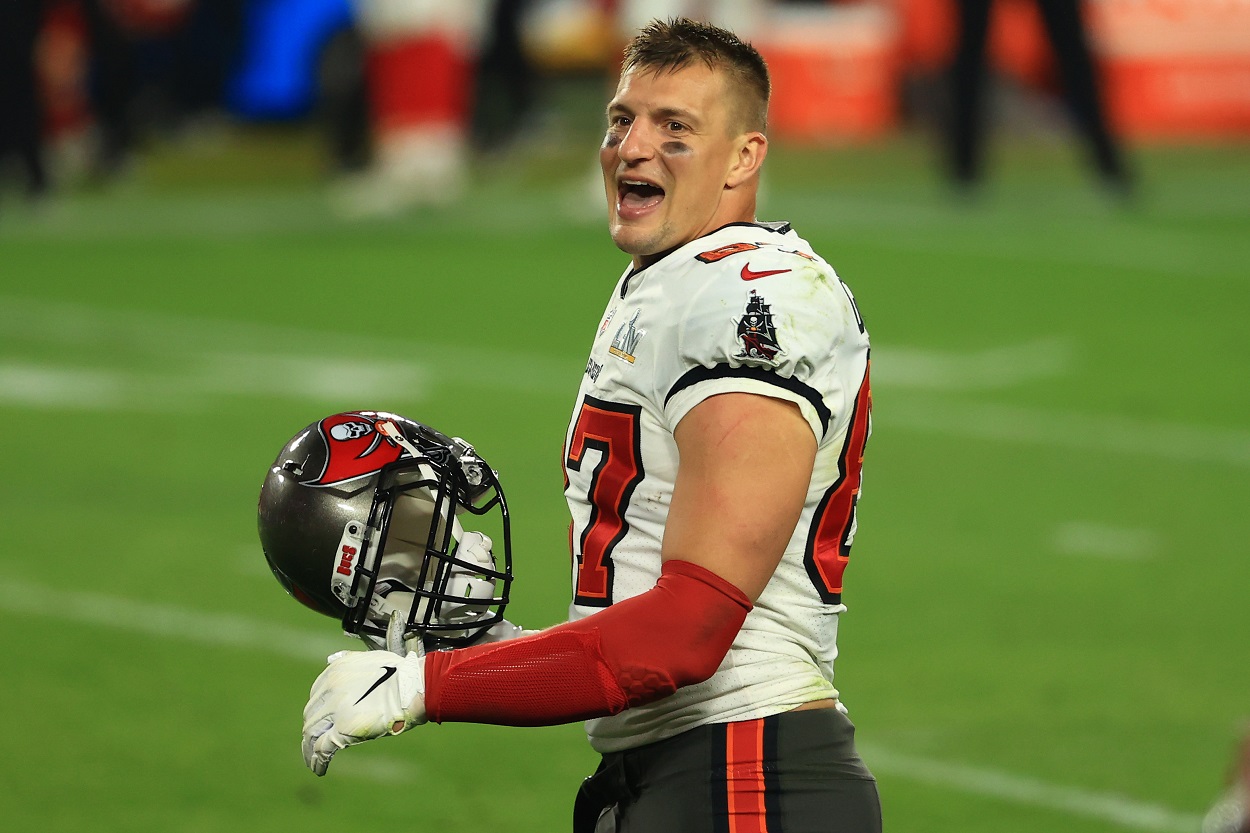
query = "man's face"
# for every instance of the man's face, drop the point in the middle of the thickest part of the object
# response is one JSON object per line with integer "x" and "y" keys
{"x": 667, "y": 157}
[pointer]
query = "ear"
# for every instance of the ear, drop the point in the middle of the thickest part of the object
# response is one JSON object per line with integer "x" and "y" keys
{"x": 751, "y": 150}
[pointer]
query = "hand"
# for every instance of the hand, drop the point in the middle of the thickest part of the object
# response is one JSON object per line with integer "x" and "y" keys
{"x": 362, "y": 695}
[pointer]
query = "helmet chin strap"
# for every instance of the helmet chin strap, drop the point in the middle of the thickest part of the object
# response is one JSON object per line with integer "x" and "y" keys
{"x": 465, "y": 456}
{"x": 397, "y": 641}
{"x": 391, "y": 431}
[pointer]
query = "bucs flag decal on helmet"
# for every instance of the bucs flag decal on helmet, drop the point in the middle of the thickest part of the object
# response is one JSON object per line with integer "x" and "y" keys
{"x": 355, "y": 448}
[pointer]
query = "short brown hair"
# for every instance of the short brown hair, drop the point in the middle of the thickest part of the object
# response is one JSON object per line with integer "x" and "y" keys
{"x": 667, "y": 46}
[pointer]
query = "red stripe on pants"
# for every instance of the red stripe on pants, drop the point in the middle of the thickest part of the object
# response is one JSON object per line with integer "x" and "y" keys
{"x": 744, "y": 776}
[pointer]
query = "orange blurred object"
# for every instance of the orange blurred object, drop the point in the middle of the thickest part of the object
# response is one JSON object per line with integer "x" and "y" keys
{"x": 1017, "y": 44}
{"x": 835, "y": 72}
{"x": 418, "y": 81}
{"x": 62, "y": 59}
{"x": 1175, "y": 69}
{"x": 149, "y": 18}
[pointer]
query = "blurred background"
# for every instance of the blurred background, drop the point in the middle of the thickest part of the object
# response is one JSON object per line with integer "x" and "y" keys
{"x": 221, "y": 221}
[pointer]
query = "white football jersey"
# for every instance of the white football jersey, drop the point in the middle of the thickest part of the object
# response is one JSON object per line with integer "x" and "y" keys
{"x": 747, "y": 308}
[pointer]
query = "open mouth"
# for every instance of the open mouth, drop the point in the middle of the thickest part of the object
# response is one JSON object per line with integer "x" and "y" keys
{"x": 634, "y": 196}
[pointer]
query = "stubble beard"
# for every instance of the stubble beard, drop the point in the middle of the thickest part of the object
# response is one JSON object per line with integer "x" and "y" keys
{"x": 639, "y": 243}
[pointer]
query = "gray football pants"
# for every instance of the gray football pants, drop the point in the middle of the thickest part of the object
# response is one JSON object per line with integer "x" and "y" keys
{"x": 796, "y": 772}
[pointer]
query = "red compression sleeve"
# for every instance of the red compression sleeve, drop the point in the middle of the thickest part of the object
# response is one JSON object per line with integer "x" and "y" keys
{"x": 631, "y": 653}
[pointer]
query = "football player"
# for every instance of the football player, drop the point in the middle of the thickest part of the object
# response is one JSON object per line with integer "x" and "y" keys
{"x": 419, "y": 71}
{"x": 713, "y": 466}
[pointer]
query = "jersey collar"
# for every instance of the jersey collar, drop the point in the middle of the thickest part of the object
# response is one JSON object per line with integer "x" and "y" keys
{"x": 779, "y": 227}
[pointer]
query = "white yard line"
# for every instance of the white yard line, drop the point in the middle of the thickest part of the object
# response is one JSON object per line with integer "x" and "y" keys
{"x": 148, "y": 334}
{"x": 183, "y": 364}
{"x": 1149, "y": 249}
{"x": 218, "y": 630}
{"x": 378, "y": 770}
{"x": 1059, "y": 429}
{"x": 192, "y": 384}
{"x": 1105, "y": 541}
{"x": 44, "y": 386}
{"x": 229, "y": 630}
{"x": 220, "y": 357}
{"x": 1017, "y": 789}
{"x": 952, "y": 372}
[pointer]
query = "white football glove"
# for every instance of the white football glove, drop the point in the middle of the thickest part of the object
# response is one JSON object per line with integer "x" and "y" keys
{"x": 1231, "y": 814}
{"x": 362, "y": 695}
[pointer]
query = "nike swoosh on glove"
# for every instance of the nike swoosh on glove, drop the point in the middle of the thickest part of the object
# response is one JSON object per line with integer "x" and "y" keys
{"x": 362, "y": 695}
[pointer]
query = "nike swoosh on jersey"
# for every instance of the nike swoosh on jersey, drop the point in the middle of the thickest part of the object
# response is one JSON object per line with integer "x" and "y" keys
{"x": 749, "y": 275}
{"x": 387, "y": 671}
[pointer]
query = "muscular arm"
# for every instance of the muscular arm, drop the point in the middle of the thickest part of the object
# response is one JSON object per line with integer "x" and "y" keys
{"x": 746, "y": 462}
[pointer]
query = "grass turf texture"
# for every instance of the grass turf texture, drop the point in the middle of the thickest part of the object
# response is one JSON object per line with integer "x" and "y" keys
{"x": 1050, "y": 577}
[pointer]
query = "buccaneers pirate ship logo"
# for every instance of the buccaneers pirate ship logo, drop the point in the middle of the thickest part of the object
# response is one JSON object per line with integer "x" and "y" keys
{"x": 756, "y": 331}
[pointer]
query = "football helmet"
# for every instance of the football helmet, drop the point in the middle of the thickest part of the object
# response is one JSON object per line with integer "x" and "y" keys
{"x": 360, "y": 517}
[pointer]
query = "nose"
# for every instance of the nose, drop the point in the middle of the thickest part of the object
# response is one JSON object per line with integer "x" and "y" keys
{"x": 637, "y": 145}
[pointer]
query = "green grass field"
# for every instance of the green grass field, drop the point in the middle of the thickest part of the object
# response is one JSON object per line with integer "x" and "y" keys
{"x": 1047, "y": 626}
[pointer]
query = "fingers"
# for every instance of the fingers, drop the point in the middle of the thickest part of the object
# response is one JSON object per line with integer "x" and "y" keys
{"x": 316, "y": 751}
{"x": 324, "y": 739}
{"x": 395, "y": 634}
{"x": 318, "y": 724}
{"x": 318, "y": 744}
